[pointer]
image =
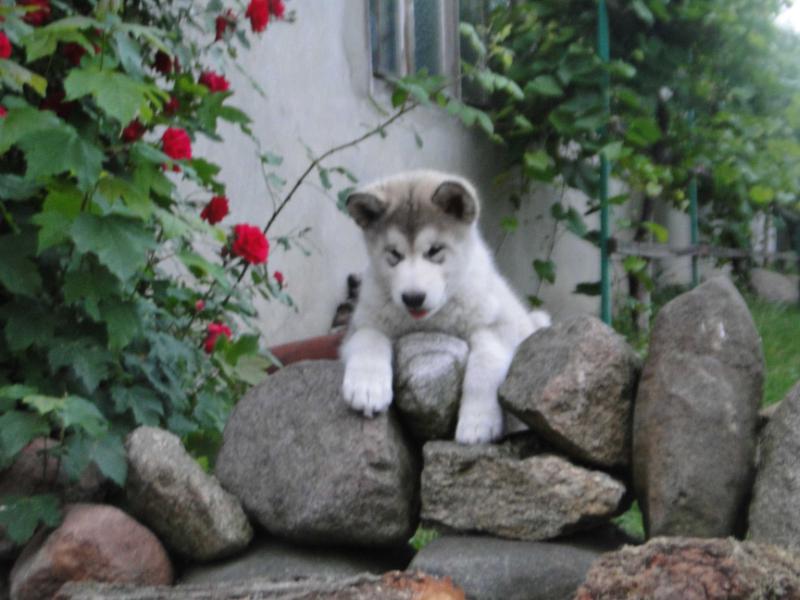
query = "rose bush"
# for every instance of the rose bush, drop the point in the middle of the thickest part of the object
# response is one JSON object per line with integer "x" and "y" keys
{"x": 110, "y": 316}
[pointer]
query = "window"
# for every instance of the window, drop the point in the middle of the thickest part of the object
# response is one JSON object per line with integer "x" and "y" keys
{"x": 409, "y": 35}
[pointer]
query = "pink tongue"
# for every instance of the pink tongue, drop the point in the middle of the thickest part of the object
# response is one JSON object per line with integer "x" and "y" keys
{"x": 417, "y": 314}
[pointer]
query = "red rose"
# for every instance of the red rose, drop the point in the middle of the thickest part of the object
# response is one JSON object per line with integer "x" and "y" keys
{"x": 214, "y": 331}
{"x": 74, "y": 53}
{"x": 250, "y": 244}
{"x": 134, "y": 131}
{"x": 176, "y": 143}
{"x": 5, "y": 45}
{"x": 172, "y": 106}
{"x": 222, "y": 23}
{"x": 3, "y": 112}
{"x": 215, "y": 210}
{"x": 258, "y": 13}
{"x": 214, "y": 82}
{"x": 278, "y": 278}
{"x": 277, "y": 8}
{"x": 39, "y": 16}
{"x": 163, "y": 63}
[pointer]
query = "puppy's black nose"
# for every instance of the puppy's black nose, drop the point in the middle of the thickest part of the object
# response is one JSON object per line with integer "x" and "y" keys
{"x": 413, "y": 299}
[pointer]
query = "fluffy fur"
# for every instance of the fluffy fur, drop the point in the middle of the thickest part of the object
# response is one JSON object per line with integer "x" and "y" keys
{"x": 430, "y": 270}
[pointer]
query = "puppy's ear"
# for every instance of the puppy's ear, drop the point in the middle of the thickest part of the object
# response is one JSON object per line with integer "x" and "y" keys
{"x": 457, "y": 201}
{"x": 365, "y": 209}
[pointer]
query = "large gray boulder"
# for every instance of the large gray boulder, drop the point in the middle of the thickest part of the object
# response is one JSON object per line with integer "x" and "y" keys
{"x": 775, "y": 287}
{"x": 281, "y": 561}
{"x": 168, "y": 491}
{"x": 573, "y": 384}
{"x": 693, "y": 569}
{"x": 775, "y": 508}
{"x": 429, "y": 369}
{"x": 696, "y": 414}
{"x": 499, "y": 491}
{"x": 492, "y": 569}
{"x": 309, "y": 469}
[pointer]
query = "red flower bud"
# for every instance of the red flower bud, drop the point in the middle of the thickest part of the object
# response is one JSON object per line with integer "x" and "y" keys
{"x": 172, "y": 106}
{"x": 216, "y": 210}
{"x": 39, "y": 16}
{"x": 222, "y": 23}
{"x": 5, "y": 45}
{"x": 74, "y": 53}
{"x": 277, "y": 8}
{"x": 278, "y": 278}
{"x": 214, "y": 331}
{"x": 163, "y": 63}
{"x": 199, "y": 305}
{"x": 250, "y": 244}
{"x": 3, "y": 112}
{"x": 258, "y": 13}
{"x": 134, "y": 131}
{"x": 214, "y": 82}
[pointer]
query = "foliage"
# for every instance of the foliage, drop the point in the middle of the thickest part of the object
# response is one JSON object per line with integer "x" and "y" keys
{"x": 422, "y": 537}
{"x": 779, "y": 327}
{"x": 108, "y": 307}
{"x": 704, "y": 87}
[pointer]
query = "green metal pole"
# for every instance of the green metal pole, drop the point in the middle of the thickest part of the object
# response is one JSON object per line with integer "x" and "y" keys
{"x": 603, "y": 49}
{"x": 695, "y": 229}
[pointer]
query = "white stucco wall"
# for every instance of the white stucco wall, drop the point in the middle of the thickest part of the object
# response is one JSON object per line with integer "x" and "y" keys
{"x": 320, "y": 93}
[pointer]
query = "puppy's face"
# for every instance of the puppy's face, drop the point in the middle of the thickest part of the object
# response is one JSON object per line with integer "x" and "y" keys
{"x": 416, "y": 229}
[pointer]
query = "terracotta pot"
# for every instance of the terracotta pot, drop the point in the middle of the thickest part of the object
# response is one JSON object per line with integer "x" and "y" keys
{"x": 323, "y": 347}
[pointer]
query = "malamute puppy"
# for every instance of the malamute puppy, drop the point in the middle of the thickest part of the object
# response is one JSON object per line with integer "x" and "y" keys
{"x": 430, "y": 270}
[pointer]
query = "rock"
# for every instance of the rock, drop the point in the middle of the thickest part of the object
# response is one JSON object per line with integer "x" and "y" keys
{"x": 5, "y": 570}
{"x": 775, "y": 287}
{"x": 493, "y": 489}
{"x": 390, "y": 586}
{"x": 696, "y": 414}
{"x": 693, "y": 569}
{"x": 775, "y": 508}
{"x": 280, "y": 561}
{"x": 765, "y": 415}
{"x": 493, "y": 569}
{"x": 187, "y": 508}
{"x": 309, "y": 469}
{"x": 95, "y": 542}
{"x": 429, "y": 369}
{"x": 37, "y": 470}
{"x": 573, "y": 384}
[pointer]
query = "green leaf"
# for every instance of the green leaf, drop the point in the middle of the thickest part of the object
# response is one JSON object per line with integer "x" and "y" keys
{"x": 61, "y": 206}
{"x": 634, "y": 264}
{"x": 643, "y": 131}
{"x": 43, "y": 405}
{"x": 10, "y": 394}
{"x": 22, "y": 122}
{"x": 18, "y": 274}
{"x": 642, "y": 11}
{"x": 244, "y": 345}
{"x": 137, "y": 201}
{"x": 612, "y": 151}
{"x": 121, "y": 244}
{"x": 147, "y": 409}
{"x": 79, "y": 412}
{"x": 54, "y": 151}
{"x": 88, "y": 360}
{"x": 762, "y": 194}
{"x": 544, "y": 85}
{"x": 324, "y": 178}
{"x": 17, "y": 428}
{"x": 660, "y": 233}
{"x": 545, "y": 269}
{"x": 16, "y": 77}
{"x": 509, "y": 224}
{"x": 129, "y": 53}
{"x": 399, "y": 97}
{"x": 21, "y": 515}
{"x": 118, "y": 95}
{"x": 27, "y": 325}
{"x": 252, "y": 368}
{"x": 122, "y": 322}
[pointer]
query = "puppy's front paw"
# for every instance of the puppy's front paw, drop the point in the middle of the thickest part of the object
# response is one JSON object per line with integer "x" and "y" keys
{"x": 479, "y": 426}
{"x": 367, "y": 385}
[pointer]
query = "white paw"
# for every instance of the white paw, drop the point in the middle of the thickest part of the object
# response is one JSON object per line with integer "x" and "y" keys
{"x": 479, "y": 426}
{"x": 367, "y": 385}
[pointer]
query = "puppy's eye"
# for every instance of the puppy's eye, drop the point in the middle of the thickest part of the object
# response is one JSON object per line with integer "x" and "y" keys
{"x": 393, "y": 256}
{"x": 435, "y": 252}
